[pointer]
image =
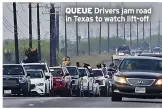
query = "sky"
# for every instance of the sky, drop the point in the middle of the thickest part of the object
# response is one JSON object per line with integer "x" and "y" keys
{"x": 22, "y": 19}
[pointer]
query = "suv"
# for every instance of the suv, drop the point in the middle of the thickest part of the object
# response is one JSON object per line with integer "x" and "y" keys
{"x": 102, "y": 80}
{"x": 44, "y": 67}
{"x": 74, "y": 73}
{"x": 61, "y": 81}
{"x": 39, "y": 82}
{"x": 16, "y": 79}
{"x": 86, "y": 85}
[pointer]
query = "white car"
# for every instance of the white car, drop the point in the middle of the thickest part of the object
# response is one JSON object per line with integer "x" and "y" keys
{"x": 45, "y": 68}
{"x": 103, "y": 83}
{"x": 39, "y": 82}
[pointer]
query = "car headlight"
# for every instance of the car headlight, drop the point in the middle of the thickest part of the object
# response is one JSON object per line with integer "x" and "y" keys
{"x": 158, "y": 82}
{"x": 40, "y": 84}
{"x": 121, "y": 80}
{"x": 22, "y": 80}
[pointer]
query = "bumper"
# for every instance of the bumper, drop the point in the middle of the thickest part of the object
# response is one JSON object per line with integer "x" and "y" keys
{"x": 38, "y": 90}
{"x": 16, "y": 88}
{"x": 129, "y": 91}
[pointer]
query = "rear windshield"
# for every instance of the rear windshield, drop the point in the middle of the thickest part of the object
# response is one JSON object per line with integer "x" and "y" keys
{"x": 13, "y": 70}
{"x": 37, "y": 67}
{"x": 57, "y": 72}
{"x": 83, "y": 72}
{"x": 35, "y": 74}
{"x": 97, "y": 73}
{"x": 72, "y": 70}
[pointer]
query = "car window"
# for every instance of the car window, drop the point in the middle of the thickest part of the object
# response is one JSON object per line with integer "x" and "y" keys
{"x": 83, "y": 72}
{"x": 35, "y": 74}
{"x": 13, "y": 70}
{"x": 72, "y": 70}
{"x": 149, "y": 65}
{"x": 57, "y": 72}
{"x": 97, "y": 73}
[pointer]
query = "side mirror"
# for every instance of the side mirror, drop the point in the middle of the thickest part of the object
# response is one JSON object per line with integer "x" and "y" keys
{"x": 67, "y": 74}
{"x": 47, "y": 77}
{"x": 107, "y": 76}
{"x": 28, "y": 74}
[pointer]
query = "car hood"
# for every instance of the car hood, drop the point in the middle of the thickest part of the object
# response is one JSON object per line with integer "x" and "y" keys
{"x": 37, "y": 80}
{"x": 99, "y": 78}
{"x": 148, "y": 75}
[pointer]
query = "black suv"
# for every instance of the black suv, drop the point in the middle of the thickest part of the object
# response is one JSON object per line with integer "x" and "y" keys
{"x": 138, "y": 77}
{"x": 16, "y": 79}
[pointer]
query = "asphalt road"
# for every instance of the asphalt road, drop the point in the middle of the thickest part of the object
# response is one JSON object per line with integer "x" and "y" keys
{"x": 80, "y": 102}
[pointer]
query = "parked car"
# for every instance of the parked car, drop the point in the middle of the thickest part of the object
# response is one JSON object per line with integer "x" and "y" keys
{"x": 86, "y": 83}
{"x": 61, "y": 81}
{"x": 74, "y": 73}
{"x": 100, "y": 78}
{"x": 138, "y": 77}
{"x": 16, "y": 80}
{"x": 44, "y": 67}
{"x": 39, "y": 82}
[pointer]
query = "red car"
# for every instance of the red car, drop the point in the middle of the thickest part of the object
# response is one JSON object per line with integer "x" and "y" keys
{"x": 61, "y": 81}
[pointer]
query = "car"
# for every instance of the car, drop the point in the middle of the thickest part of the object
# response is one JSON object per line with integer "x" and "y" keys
{"x": 138, "y": 77}
{"x": 16, "y": 80}
{"x": 45, "y": 68}
{"x": 74, "y": 73}
{"x": 61, "y": 81}
{"x": 156, "y": 50}
{"x": 100, "y": 78}
{"x": 159, "y": 55}
{"x": 39, "y": 82}
{"x": 124, "y": 49}
{"x": 86, "y": 82}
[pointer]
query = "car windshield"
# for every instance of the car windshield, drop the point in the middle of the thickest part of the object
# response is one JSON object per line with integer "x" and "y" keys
{"x": 13, "y": 70}
{"x": 35, "y": 74}
{"x": 83, "y": 72}
{"x": 117, "y": 62}
{"x": 157, "y": 50}
{"x": 57, "y": 72}
{"x": 72, "y": 70}
{"x": 37, "y": 67}
{"x": 149, "y": 65}
{"x": 97, "y": 73}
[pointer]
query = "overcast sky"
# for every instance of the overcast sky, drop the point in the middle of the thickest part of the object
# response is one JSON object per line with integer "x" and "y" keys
{"x": 22, "y": 19}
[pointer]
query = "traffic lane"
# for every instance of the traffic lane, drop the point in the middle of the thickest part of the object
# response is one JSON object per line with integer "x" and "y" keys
{"x": 89, "y": 102}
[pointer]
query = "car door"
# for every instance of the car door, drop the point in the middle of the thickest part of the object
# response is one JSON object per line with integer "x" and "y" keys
{"x": 90, "y": 80}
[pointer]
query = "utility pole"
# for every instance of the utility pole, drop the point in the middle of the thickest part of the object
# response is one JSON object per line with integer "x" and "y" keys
{"x": 38, "y": 27}
{"x": 143, "y": 31}
{"x": 77, "y": 48}
{"x": 150, "y": 36}
{"x": 124, "y": 33}
{"x": 65, "y": 37}
{"x": 57, "y": 30}
{"x": 15, "y": 34}
{"x": 130, "y": 35}
{"x": 30, "y": 26}
{"x": 108, "y": 38}
{"x": 117, "y": 32}
{"x": 137, "y": 33}
{"x": 159, "y": 34}
{"x": 89, "y": 52}
{"x": 100, "y": 40}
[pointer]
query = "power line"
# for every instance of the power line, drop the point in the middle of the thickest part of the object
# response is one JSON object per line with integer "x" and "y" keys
{"x": 22, "y": 20}
{"x": 22, "y": 8}
{"x": 8, "y": 7}
{"x": 7, "y": 27}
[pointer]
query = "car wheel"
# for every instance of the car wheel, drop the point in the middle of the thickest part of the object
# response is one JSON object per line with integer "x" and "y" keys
{"x": 116, "y": 97}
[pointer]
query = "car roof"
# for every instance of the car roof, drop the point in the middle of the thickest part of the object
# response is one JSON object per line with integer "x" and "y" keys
{"x": 56, "y": 67}
{"x": 97, "y": 69}
{"x": 72, "y": 66}
{"x": 151, "y": 54}
{"x": 33, "y": 63}
{"x": 34, "y": 70}
{"x": 142, "y": 57}
{"x": 81, "y": 68}
{"x": 12, "y": 64}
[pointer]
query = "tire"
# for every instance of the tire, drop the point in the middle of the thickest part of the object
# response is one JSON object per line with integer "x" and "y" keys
{"x": 116, "y": 97}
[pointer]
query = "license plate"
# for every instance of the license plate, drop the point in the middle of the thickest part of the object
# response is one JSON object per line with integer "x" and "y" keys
{"x": 7, "y": 91}
{"x": 140, "y": 90}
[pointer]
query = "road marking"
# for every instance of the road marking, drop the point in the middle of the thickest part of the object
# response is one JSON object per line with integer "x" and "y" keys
{"x": 42, "y": 101}
{"x": 31, "y": 105}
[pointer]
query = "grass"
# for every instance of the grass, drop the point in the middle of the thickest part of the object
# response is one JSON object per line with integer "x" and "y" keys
{"x": 92, "y": 60}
